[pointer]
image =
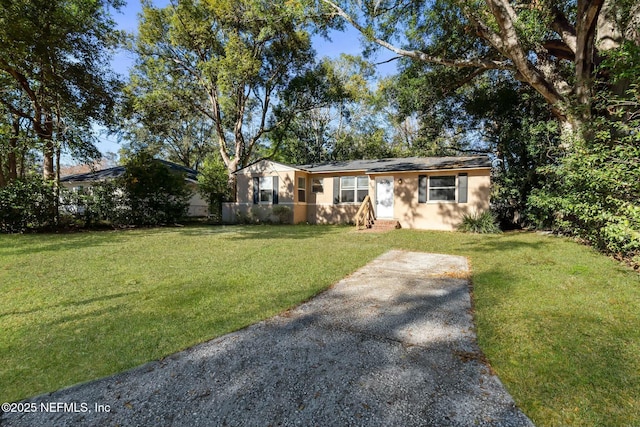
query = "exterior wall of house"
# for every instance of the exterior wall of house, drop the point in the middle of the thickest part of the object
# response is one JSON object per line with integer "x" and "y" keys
{"x": 319, "y": 206}
{"x": 323, "y": 210}
{"x": 198, "y": 207}
{"x": 245, "y": 209}
{"x": 438, "y": 215}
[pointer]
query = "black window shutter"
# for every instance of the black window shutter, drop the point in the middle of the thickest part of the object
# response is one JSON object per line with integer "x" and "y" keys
{"x": 422, "y": 189}
{"x": 336, "y": 190}
{"x": 256, "y": 190}
{"x": 462, "y": 188}
{"x": 275, "y": 190}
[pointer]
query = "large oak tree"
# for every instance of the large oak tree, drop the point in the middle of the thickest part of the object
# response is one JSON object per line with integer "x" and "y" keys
{"x": 54, "y": 71}
{"x": 229, "y": 61}
{"x": 553, "y": 46}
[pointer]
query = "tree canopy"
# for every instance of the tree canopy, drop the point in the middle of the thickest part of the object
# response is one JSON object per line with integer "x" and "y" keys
{"x": 229, "y": 61}
{"x": 55, "y": 79}
{"x": 555, "y": 47}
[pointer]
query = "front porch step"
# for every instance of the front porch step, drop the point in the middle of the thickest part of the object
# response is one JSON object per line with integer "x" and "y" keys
{"x": 384, "y": 224}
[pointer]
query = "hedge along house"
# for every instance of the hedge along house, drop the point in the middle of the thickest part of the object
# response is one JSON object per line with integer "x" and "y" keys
{"x": 418, "y": 192}
{"x": 198, "y": 207}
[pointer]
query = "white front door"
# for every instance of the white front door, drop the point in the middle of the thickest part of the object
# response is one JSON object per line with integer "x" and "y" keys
{"x": 384, "y": 197}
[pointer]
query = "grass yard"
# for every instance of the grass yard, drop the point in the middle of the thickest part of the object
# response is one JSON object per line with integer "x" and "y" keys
{"x": 559, "y": 323}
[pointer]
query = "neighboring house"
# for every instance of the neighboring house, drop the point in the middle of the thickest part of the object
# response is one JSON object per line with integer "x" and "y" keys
{"x": 419, "y": 192}
{"x": 83, "y": 181}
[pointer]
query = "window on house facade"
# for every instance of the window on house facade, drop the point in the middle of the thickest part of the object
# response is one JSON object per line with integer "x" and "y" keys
{"x": 302, "y": 189}
{"x": 317, "y": 185}
{"x": 353, "y": 188}
{"x": 265, "y": 190}
{"x": 442, "y": 188}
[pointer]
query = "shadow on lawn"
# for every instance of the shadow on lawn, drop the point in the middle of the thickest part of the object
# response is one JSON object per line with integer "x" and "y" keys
{"x": 69, "y": 304}
{"x": 257, "y": 232}
{"x": 331, "y": 363}
{"x": 507, "y": 242}
{"x": 29, "y": 244}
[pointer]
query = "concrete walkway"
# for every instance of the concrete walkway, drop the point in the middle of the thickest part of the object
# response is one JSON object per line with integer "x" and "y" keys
{"x": 391, "y": 345}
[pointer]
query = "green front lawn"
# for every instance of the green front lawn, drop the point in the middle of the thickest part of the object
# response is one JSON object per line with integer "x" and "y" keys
{"x": 559, "y": 323}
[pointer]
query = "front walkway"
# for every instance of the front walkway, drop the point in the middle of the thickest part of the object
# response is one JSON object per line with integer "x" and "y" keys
{"x": 391, "y": 345}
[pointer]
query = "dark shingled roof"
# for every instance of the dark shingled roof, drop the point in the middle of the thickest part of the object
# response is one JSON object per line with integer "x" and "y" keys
{"x": 406, "y": 164}
{"x": 111, "y": 173}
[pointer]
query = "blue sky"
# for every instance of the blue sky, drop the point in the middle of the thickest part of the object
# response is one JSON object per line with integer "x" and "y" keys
{"x": 341, "y": 42}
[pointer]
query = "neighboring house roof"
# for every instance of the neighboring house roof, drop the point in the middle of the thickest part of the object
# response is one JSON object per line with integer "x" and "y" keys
{"x": 112, "y": 173}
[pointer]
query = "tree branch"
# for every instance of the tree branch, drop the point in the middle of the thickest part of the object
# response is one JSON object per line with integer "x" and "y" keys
{"x": 504, "y": 13}
{"x": 559, "y": 49}
{"x": 587, "y": 18}
{"x": 13, "y": 110}
{"x": 421, "y": 56}
{"x": 565, "y": 30}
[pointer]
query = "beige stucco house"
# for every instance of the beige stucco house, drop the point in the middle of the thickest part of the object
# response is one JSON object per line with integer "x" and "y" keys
{"x": 198, "y": 207}
{"x": 419, "y": 192}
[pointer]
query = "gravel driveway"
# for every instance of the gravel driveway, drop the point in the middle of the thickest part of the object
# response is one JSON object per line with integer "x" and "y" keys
{"x": 391, "y": 345}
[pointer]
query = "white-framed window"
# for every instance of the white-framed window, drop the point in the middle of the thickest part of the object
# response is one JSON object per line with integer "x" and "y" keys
{"x": 442, "y": 188}
{"x": 302, "y": 189}
{"x": 266, "y": 189}
{"x": 353, "y": 188}
{"x": 317, "y": 185}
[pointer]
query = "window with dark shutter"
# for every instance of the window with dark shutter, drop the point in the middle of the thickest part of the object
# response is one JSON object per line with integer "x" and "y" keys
{"x": 274, "y": 190}
{"x": 302, "y": 189}
{"x": 256, "y": 190}
{"x": 422, "y": 189}
{"x": 462, "y": 187}
{"x": 442, "y": 188}
{"x": 353, "y": 189}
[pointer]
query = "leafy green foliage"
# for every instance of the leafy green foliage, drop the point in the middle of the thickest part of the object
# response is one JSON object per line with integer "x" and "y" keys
{"x": 344, "y": 119}
{"x": 594, "y": 190}
{"x": 102, "y": 202}
{"x": 223, "y": 65}
{"x": 27, "y": 204}
{"x": 214, "y": 186}
{"x": 479, "y": 222}
{"x": 54, "y": 75}
{"x": 283, "y": 214}
{"x": 152, "y": 193}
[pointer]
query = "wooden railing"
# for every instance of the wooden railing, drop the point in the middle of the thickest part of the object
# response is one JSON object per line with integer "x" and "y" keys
{"x": 365, "y": 216}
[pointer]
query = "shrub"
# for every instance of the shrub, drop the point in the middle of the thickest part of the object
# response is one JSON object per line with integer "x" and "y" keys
{"x": 485, "y": 222}
{"x": 27, "y": 204}
{"x": 593, "y": 192}
{"x": 282, "y": 214}
{"x": 101, "y": 202}
{"x": 152, "y": 193}
{"x": 214, "y": 186}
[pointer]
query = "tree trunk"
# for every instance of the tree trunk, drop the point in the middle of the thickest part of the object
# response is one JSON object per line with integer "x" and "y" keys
{"x": 571, "y": 130}
{"x": 13, "y": 147}
{"x": 57, "y": 187}
{"x": 47, "y": 165}
{"x": 3, "y": 181}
